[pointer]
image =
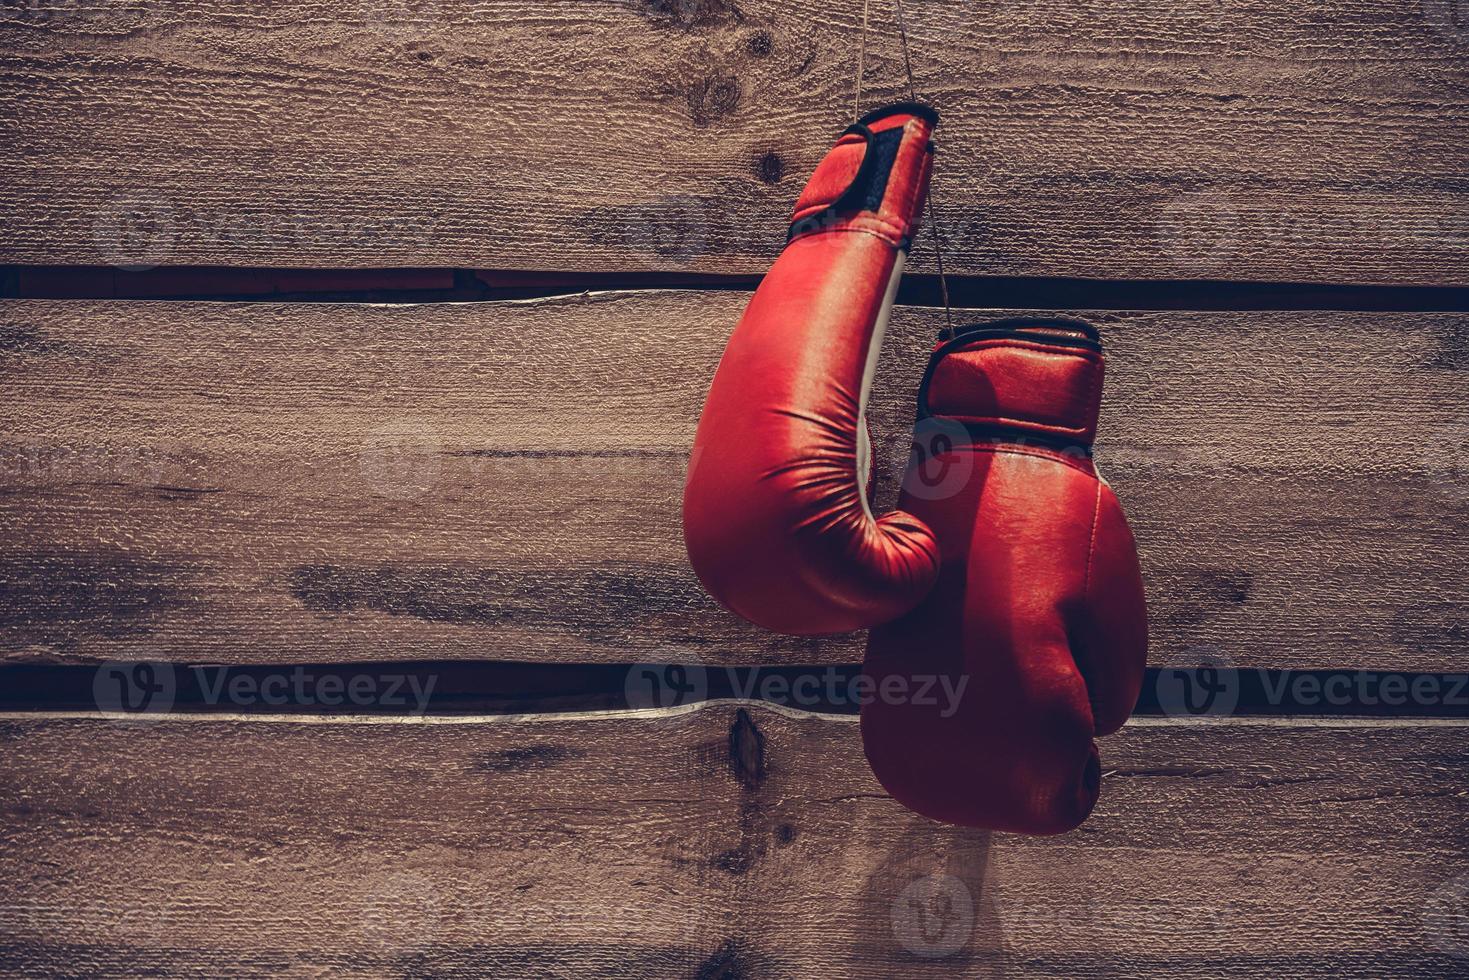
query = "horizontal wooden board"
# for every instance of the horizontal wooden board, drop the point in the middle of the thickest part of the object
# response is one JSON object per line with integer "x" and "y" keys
{"x": 1201, "y": 139}
{"x": 257, "y": 483}
{"x": 730, "y": 841}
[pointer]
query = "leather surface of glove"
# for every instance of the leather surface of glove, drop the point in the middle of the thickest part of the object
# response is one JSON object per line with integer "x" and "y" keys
{"x": 1037, "y": 618}
{"x": 776, "y": 514}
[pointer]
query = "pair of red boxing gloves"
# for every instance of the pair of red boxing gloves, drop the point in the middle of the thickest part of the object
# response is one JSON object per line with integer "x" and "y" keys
{"x": 1006, "y": 578}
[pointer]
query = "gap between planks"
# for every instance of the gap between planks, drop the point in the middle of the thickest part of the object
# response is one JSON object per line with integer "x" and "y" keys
{"x": 419, "y": 286}
{"x": 625, "y": 714}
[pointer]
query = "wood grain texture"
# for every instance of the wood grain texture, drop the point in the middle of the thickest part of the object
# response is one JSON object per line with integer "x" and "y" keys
{"x": 303, "y": 483}
{"x": 731, "y": 842}
{"x": 1213, "y": 139}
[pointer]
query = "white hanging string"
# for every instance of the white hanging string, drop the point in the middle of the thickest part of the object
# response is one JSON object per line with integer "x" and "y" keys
{"x": 933, "y": 216}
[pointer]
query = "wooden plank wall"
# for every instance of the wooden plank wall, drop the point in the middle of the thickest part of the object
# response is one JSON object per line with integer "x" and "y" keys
{"x": 502, "y": 481}
{"x": 279, "y": 484}
{"x": 1222, "y": 139}
{"x": 722, "y": 842}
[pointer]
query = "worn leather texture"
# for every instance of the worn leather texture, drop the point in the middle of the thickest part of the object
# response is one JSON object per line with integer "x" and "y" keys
{"x": 1038, "y": 611}
{"x": 776, "y": 517}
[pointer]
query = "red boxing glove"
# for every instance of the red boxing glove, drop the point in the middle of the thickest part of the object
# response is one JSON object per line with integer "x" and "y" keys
{"x": 776, "y": 515}
{"x": 987, "y": 696}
